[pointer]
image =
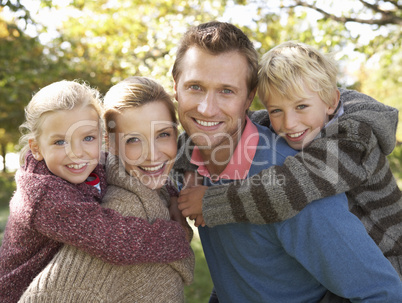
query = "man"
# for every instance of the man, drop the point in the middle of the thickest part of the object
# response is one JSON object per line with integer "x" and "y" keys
{"x": 215, "y": 76}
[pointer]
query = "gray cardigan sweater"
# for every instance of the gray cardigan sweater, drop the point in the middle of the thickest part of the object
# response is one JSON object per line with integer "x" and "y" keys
{"x": 349, "y": 157}
{"x": 75, "y": 276}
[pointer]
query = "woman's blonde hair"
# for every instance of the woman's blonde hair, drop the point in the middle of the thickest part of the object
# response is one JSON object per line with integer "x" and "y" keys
{"x": 62, "y": 95}
{"x": 134, "y": 92}
{"x": 290, "y": 66}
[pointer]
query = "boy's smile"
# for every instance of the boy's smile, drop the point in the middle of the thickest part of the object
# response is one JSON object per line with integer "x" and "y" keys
{"x": 300, "y": 120}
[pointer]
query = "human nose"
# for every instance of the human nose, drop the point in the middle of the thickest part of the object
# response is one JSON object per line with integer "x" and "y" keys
{"x": 153, "y": 151}
{"x": 289, "y": 120}
{"x": 208, "y": 105}
{"x": 76, "y": 150}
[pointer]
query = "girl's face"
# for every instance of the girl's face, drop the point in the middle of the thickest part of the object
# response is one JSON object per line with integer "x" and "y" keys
{"x": 69, "y": 143}
{"x": 146, "y": 142}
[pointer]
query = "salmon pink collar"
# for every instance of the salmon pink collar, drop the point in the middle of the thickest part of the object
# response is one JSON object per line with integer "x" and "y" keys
{"x": 241, "y": 160}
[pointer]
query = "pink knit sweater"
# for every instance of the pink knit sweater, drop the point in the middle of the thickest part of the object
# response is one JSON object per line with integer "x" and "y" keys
{"x": 47, "y": 211}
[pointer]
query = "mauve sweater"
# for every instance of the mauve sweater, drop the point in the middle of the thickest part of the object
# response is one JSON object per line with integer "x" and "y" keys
{"x": 47, "y": 211}
{"x": 74, "y": 276}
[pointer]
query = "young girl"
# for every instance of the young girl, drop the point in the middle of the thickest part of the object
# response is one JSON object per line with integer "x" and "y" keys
{"x": 142, "y": 135}
{"x": 53, "y": 204}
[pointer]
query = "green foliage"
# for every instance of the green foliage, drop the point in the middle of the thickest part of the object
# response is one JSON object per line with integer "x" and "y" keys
{"x": 7, "y": 185}
{"x": 383, "y": 81}
{"x": 395, "y": 161}
{"x": 200, "y": 290}
{"x": 20, "y": 58}
{"x": 24, "y": 68}
{"x": 113, "y": 40}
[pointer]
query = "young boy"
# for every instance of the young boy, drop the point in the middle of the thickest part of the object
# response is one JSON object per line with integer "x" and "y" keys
{"x": 298, "y": 86}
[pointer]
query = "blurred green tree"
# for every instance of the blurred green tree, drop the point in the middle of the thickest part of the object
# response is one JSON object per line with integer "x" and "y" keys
{"x": 22, "y": 65}
{"x": 106, "y": 41}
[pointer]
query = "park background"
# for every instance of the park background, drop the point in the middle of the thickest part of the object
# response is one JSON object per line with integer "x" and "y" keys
{"x": 105, "y": 41}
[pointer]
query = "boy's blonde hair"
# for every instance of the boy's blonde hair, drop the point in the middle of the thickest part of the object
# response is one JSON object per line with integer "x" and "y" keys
{"x": 285, "y": 69}
{"x": 134, "y": 92}
{"x": 62, "y": 95}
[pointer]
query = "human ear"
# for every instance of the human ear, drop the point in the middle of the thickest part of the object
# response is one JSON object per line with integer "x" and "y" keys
{"x": 34, "y": 147}
{"x": 336, "y": 96}
{"x": 250, "y": 98}
{"x": 175, "y": 90}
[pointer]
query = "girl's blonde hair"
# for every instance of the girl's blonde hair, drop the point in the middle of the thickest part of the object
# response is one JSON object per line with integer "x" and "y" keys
{"x": 134, "y": 92}
{"x": 290, "y": 66}
{"x": 62, "y": 95}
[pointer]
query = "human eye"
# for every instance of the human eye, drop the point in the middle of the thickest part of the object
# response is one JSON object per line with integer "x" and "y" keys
{"x": 194, "y": 87}
{"x": 59, "y": 142}
{"x": 132, "y": 140}
{"x": 227, "y": 91}
{"x": 89, "y": 138}
{"x": 165, "y": 134}
{"x": 275, "y": 111}
{"x": 301, "y": 106}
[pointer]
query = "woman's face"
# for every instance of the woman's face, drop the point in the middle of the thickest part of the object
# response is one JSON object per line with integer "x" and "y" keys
{"x": 146, "y": 142}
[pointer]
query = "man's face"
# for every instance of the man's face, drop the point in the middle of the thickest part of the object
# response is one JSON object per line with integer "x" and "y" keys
{"x": 213, "y": 97}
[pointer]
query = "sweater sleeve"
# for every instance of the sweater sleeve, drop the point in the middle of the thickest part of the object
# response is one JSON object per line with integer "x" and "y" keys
{"x": 330, "y": 165}
{"x": 106, "y": 234}
{"x": 337, "y": 162}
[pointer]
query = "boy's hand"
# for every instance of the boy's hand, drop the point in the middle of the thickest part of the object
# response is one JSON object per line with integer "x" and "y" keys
{"x": 192, "y": 179}
{"x": 190, "y": 200}
{"x": 199, "y": 220}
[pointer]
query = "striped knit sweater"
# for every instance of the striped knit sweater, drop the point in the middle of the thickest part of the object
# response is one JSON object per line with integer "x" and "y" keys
{"x": 350, "y": 157}
{"x": 75, "y": 276}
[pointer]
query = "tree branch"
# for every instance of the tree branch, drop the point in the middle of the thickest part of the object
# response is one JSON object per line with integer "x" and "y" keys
{"x": 387, "y": 17}
{"x": 395, "y": 3}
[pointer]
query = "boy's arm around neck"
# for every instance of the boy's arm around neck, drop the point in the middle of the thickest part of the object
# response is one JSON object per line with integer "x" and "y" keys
{"x": 308, "y": 175}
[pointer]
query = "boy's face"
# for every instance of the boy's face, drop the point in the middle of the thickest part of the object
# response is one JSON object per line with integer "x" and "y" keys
{"x": 145, "y": 139}
{"x": 299, "y": 121}
{"x": 69, "y": 143}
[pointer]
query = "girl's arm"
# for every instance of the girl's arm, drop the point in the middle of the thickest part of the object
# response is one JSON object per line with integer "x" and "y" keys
{"x": 108, "y": 235}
